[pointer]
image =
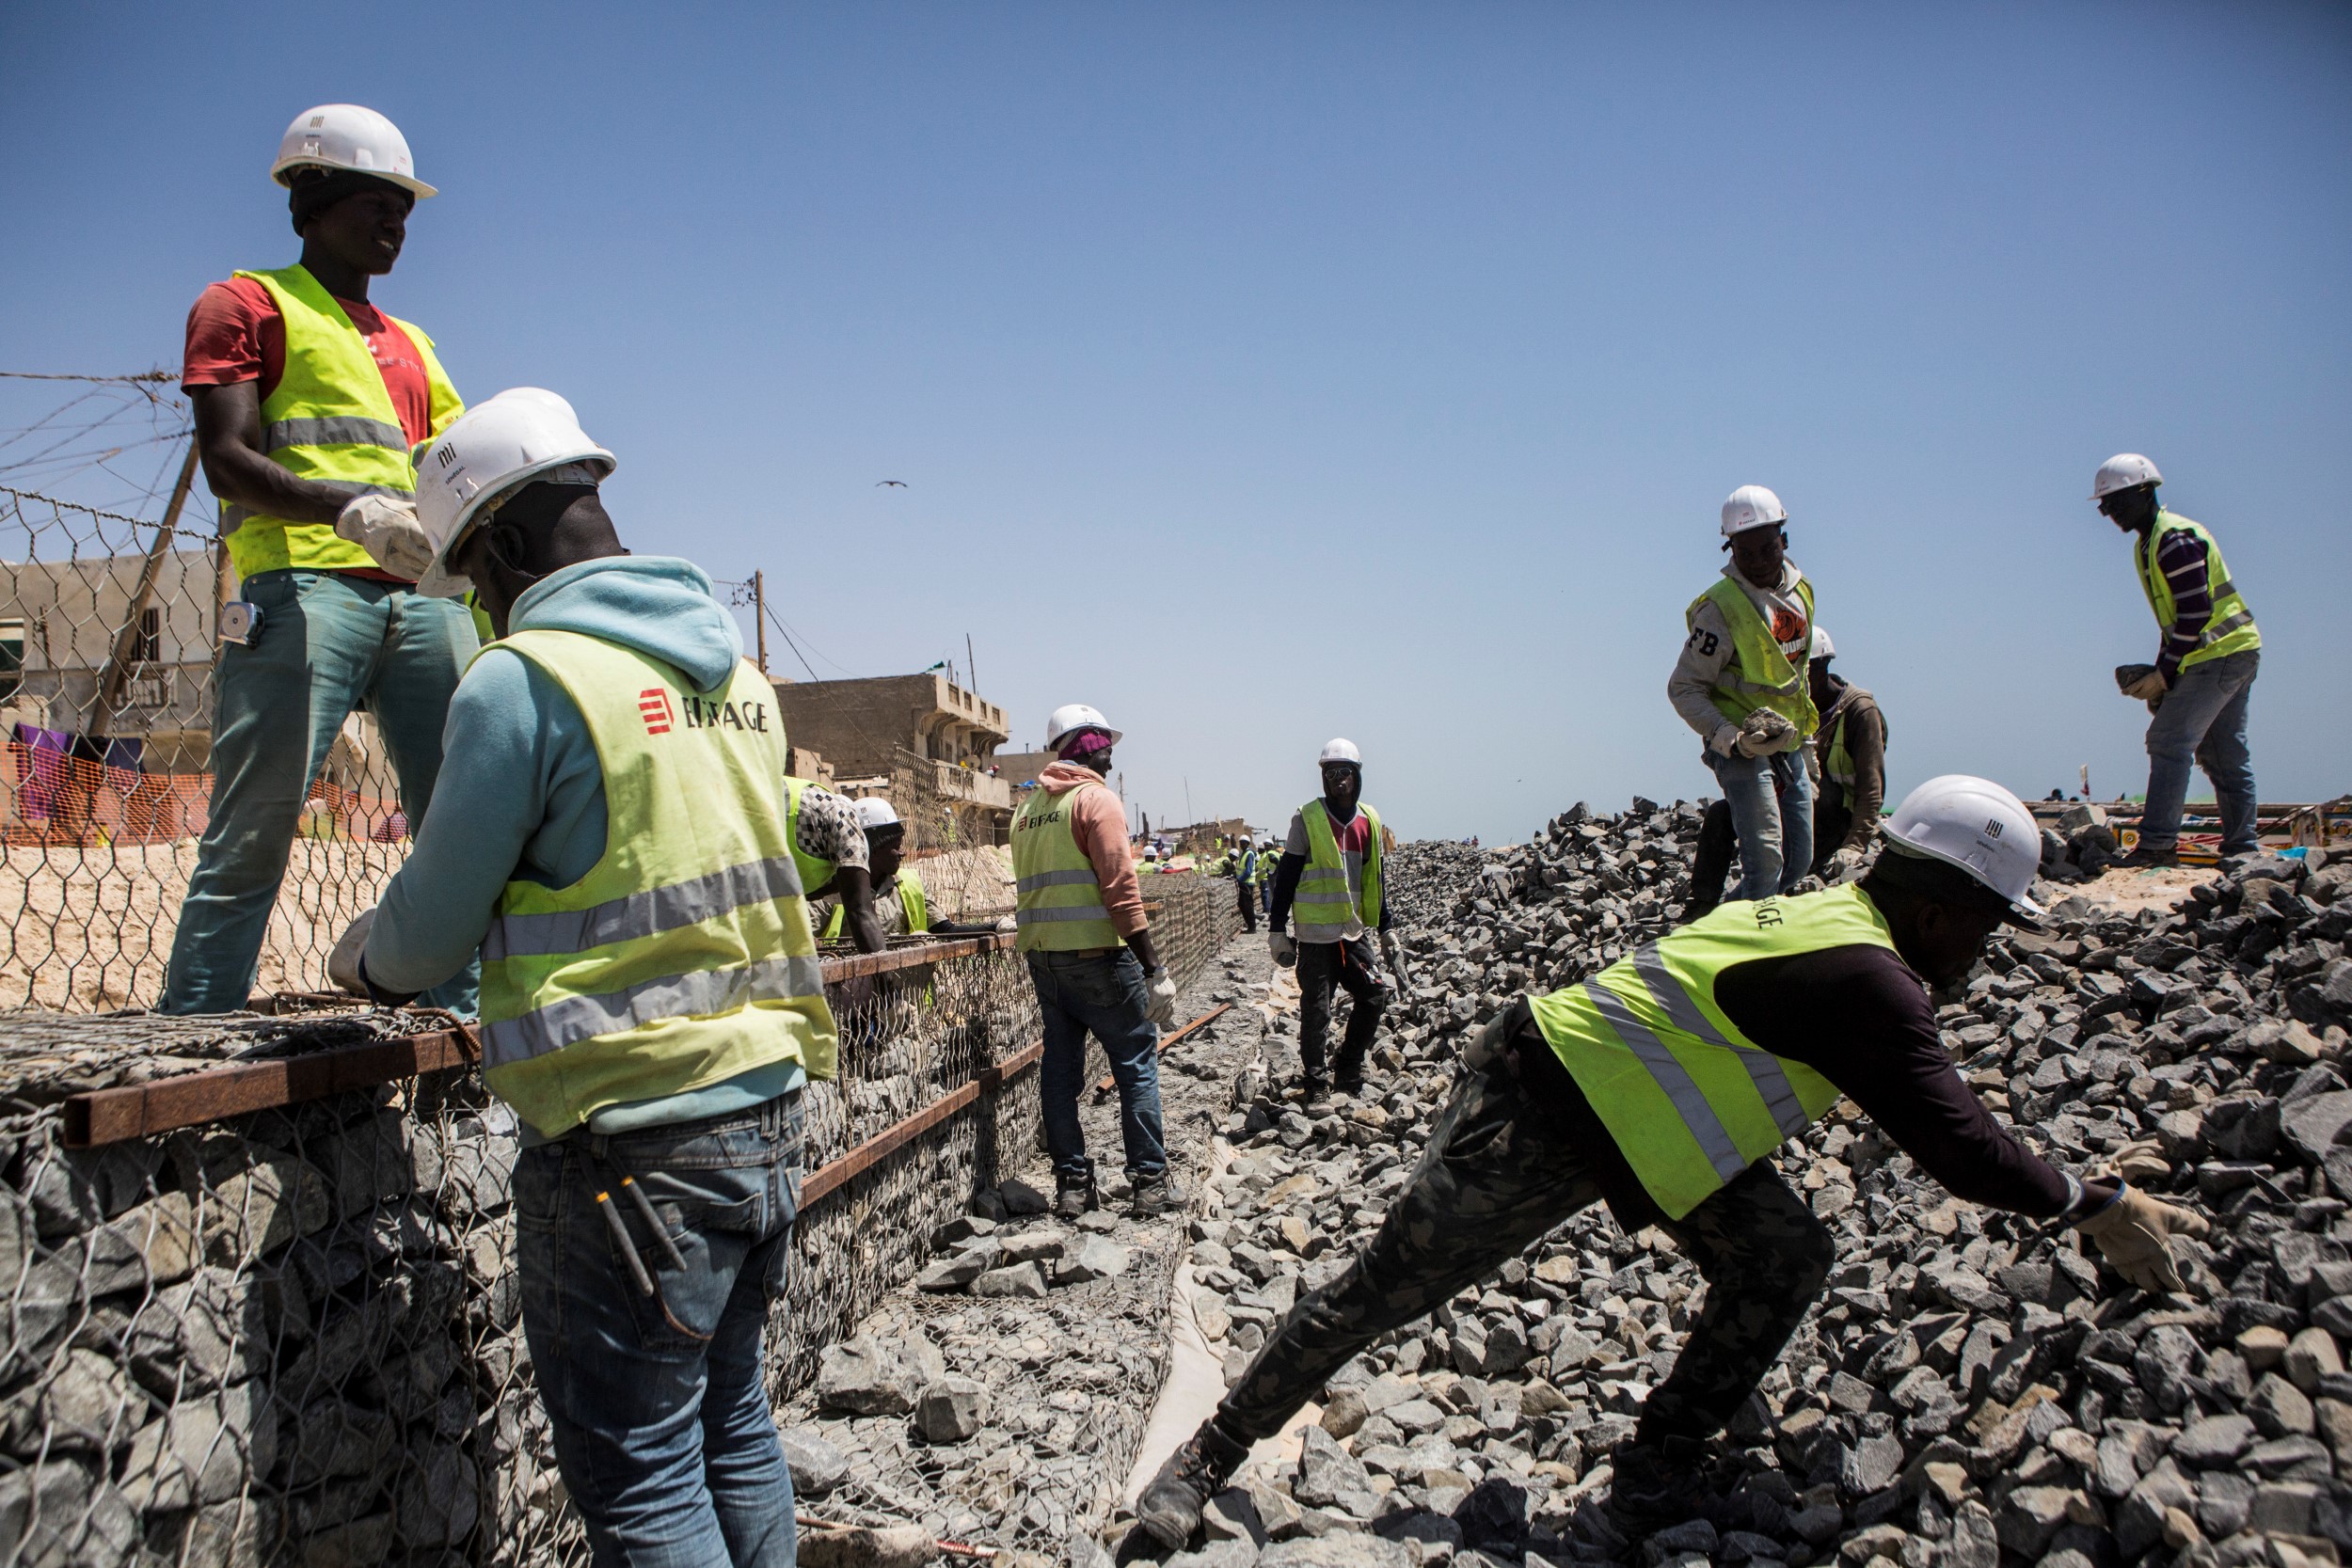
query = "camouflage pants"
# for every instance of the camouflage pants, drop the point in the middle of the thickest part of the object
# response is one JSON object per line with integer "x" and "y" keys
{"x": 1496, "y": 1177}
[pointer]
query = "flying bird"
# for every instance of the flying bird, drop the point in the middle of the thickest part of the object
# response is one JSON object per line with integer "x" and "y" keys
{"x": 899, "y": 483}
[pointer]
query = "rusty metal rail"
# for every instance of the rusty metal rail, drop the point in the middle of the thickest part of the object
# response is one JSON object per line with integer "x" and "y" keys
{"x": 111, "y": 1116}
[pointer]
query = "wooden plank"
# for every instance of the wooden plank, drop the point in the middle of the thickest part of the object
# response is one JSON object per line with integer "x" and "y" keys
{"x": 912, "y": 956}
{"x": 1166, "y": 1040}
{"x": 110, "y": 1115}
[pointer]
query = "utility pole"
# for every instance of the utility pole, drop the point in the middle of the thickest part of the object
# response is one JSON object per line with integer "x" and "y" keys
{"x": 759, "y": 614}
{"x": 122, "y": 654}
{"x": 969, "y": 674}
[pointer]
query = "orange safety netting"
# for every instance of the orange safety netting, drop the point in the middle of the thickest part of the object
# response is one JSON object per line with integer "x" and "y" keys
{"x": 55, "y": 798}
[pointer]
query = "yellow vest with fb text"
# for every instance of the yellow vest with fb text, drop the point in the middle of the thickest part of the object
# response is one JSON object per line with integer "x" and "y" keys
{"x": 2231, "y": 628}
{"x": 1057, "y": 900}
{"x": 1690, "y": 1100}
{"x": 1758, "y": 674}
{"x": 1321, "y": 908}
{"x": 683, "y": 958}
{"x": 330, "y": 419}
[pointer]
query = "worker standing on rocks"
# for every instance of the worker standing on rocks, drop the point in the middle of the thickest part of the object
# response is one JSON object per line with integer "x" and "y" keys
{"x": 2203, "y": 682}
{"x": 1740, "y": 684}
{"x": 1330, "y": 878}
{"x": 1849, "y": 749}
{"x": 306, "y": 401}
{"x": 1661, "y": 1086}
{"x": 613, "y": 836}
{"x": 1079, "y": 914}
{"x": 1245, "y": 884}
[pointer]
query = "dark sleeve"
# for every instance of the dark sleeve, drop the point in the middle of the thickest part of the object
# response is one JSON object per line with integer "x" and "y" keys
{"x": 1286, "y": 874}
{"x": 1860, "y": 1018}
{"x": 2183, "y": 562}
{"x": 1866, "y": 742}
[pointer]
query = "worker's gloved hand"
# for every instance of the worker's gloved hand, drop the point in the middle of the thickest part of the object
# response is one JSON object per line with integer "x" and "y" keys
{"x": 1160, "y": 986}
{"x": 342, "y": 964}
{"x": 1846, "y": 864}
{"x": 386, "y": 528}
{"x": 2148, "y": 687}
{"x": 1725, "y": 741}
{"x": 2134, "y": 1234}
{"x": 1285, "y": 951}
{"x": 1764, "y": 732}
{"x": 1008, "y": 922}
{"x": 2141, "y": 1159}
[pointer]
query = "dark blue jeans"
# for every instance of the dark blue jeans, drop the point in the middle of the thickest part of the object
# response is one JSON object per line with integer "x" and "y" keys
{"x": 2202, "y": 718}
{"x": 1102, "y": 993}
{"x": 662, "y": 1428}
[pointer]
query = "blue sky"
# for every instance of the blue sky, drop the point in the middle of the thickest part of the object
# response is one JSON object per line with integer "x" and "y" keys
{"x": 1265, "y": 372}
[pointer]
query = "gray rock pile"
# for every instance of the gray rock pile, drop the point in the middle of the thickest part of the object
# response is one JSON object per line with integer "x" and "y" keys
{"x": 1972, "y": 1392}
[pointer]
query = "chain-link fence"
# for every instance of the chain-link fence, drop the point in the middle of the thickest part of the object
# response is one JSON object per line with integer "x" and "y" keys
{"x": 107, "y": 648}
{"x": 293, "y": 1334}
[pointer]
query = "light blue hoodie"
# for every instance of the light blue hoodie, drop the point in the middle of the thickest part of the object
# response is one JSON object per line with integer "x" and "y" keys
{"x": 520, "y": 794}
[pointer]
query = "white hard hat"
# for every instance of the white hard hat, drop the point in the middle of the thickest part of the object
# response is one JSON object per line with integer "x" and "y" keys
{"x": 2121, "y": 473}
{"x": 1751, "y": 506}
{"x": 1340, "y": 751}
{"x": 346, "y": 137}
{"x": 874, "y": 812}
{"x": 486, "y": 451}
{"x": 1073, "y": 716}
{"x": 1977, "y": 826}
{"x": 1823, "y": 647}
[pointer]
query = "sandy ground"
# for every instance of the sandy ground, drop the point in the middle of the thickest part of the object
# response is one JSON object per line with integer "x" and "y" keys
{"x": 2135, "y": 891}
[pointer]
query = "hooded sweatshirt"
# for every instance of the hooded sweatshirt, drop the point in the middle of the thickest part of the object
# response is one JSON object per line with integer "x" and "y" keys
{"x": 520, "y": 794}
{"x": 1098, "y": 823}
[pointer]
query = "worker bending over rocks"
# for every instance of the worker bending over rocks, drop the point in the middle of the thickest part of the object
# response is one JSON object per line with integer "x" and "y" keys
{"x": 1662, "y": 1084}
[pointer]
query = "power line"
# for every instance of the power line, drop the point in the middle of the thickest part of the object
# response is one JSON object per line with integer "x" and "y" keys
{"x": 46, "y": 375}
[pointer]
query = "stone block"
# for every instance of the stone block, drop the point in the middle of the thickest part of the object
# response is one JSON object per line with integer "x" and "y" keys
{"x": 1022, "y": 1279}
{"x": 1094, "y": 1257}
{"x": 950, "y": 1410}
{"x": 817, "y": 1466}
{"x": 205, "y": 1448}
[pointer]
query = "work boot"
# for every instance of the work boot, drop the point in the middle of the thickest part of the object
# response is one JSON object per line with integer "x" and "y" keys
{"x": 1348, "y": 1084}
{"x": 1315, "y": 1093}
{"x": 1170, "y": 1508}
{"x": 1658, "y": 1485}
{"x": 1074, "y": 1196}
{"x": 2148, "y": 857}
{"x": 1153, "y": 1195}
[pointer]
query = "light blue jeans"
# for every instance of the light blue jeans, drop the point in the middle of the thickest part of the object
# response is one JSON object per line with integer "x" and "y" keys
{"x": 1104, "y": 994}
{"x": 657, "y": 1402}
{"x": 328, "y": 643}
{"x": 1772, "y": 810}
{"x": 2202, "y": 720}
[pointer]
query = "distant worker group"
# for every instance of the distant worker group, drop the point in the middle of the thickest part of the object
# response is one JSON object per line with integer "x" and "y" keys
{"x": 616, "y": 873}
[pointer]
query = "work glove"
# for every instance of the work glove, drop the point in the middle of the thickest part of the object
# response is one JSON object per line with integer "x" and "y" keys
{"x": 386, "y": 528}
{"x": 1846, "y": 864}
{"x": 2134, "y": 1235}
{"x": 1008, "y": 922}
{"x": 1285, "y": 951}
{"x": 1725, "y": 741}
{"x": 342, "y": 964}
{"x": 1762, "y": 732}
{"x": 1161, "y": 1007}
{"x": 2142, "y": 681}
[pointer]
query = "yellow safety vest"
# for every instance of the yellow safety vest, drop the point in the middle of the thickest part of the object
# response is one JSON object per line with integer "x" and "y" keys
{"x": 1690, "y": 1100}
{"x": 1325, "y": 901}
{"x": 1057, "y": 900}
{"x": 683, "y": 958}
{"x": 910, "y": 898}
{"x": 330, "y": 418}
{"x": 1758, "y": 674}
{"x": 2231, "y": 628}
{"x": 1837, "y": 764}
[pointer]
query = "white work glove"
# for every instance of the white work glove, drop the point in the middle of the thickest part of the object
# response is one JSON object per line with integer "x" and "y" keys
{"x": 1725, "y": 741}
{"x": 1285, "y": 950}
{"x": 1008, "y": 922}
{"x": 2134, "y": 1234}
{"x": 2148, "y": 687}
{"x": 1846, "y": 864}
{"x": 1762, "y": 732}
{"x": 1161, "y": 986}
{"x": 386, "y": 528}
{"x": 342, "y": 964}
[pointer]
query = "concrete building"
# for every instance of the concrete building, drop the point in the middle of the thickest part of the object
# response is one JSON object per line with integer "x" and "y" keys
{"x": 921, "y": 741}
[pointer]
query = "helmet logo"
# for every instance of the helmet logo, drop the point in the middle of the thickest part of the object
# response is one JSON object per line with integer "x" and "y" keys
{"x": 317, "y": 120}
{"x": 1992, "y": 830}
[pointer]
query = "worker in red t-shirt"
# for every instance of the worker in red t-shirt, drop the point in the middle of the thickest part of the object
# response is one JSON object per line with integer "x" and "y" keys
{"x": 308, "y": 402}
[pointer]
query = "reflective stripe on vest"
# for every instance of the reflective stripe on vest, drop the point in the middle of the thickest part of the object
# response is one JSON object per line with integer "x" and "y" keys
{"x": 1327, "y": 900}
{"x": 683, "y": 958}
{"x": 1058, "y": 900}
{"x": 1758, "y": 674}
{"x": 1691, "y": 1102}
{"x": 330, "y": 419}
{"x": 2230, "y": 628}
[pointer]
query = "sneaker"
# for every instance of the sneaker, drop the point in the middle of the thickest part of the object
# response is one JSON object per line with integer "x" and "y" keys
{"x": 1658, "y": 1485}
{"x": 1170, "y": 1508}
{"x": 1153, "y": 1195}
{"x": 2145, "y": 857}
{"x": 1074, "y": 1196}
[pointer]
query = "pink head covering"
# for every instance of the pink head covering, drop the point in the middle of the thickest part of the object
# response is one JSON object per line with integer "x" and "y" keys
{"x": 1084, "y": 743}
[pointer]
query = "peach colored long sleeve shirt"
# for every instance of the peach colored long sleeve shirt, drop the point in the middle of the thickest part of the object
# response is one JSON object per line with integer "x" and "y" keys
{"x": 1098, "y": 823}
